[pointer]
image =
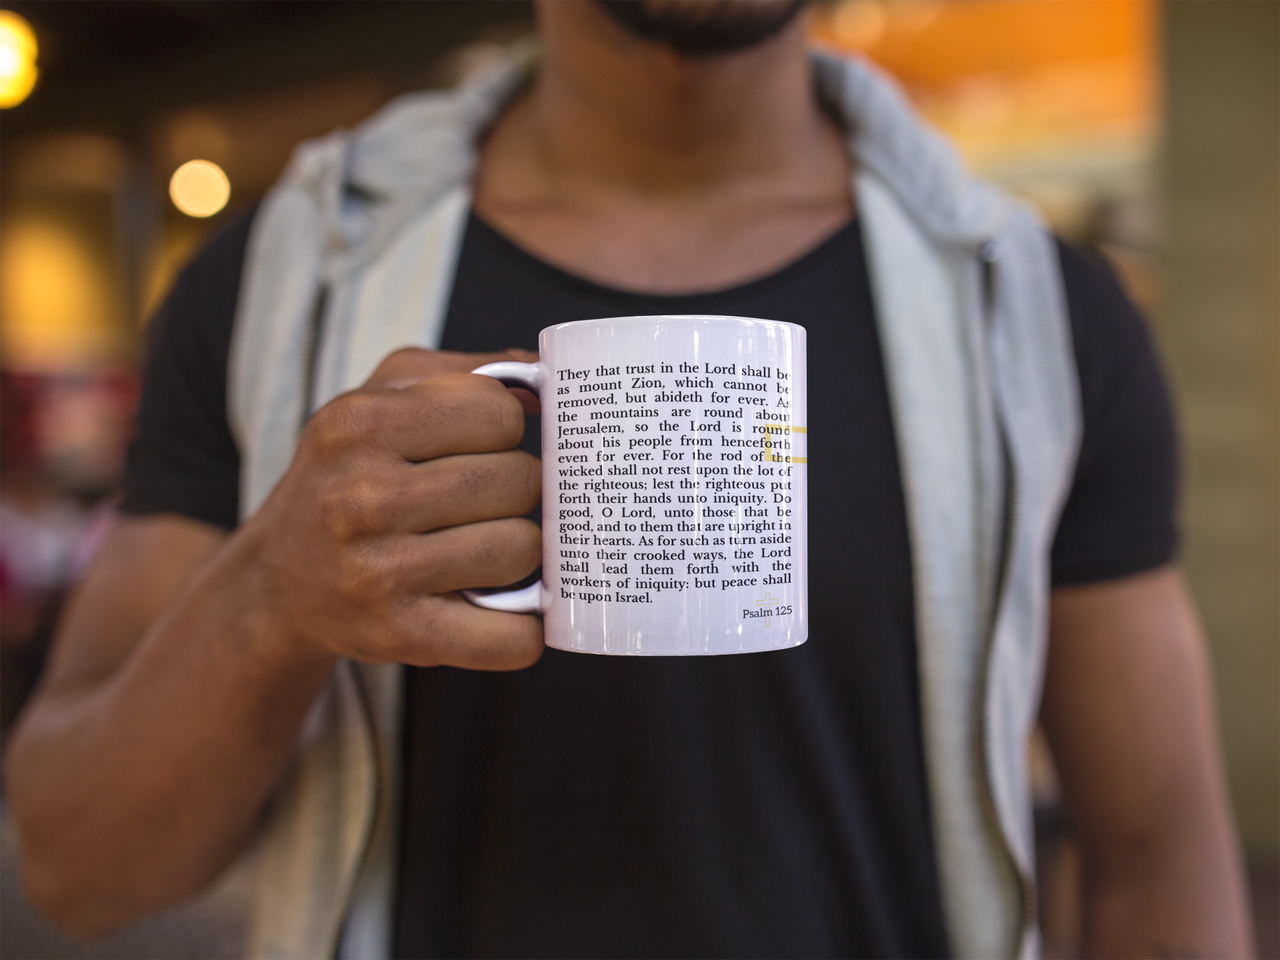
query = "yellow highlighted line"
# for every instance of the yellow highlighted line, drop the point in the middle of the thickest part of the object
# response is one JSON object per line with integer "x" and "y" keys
{"x": 777, "y": 428}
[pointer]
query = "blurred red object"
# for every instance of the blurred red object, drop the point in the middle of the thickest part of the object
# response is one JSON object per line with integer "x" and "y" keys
{"x": 68, "y": 430}
{"x": 19, "y": 444}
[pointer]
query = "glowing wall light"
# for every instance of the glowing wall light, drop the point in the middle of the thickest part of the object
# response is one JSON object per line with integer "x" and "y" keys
{"x": 199, "y": 188}
{"x": 55, "y": 297}
{"x": 17, "y": 59}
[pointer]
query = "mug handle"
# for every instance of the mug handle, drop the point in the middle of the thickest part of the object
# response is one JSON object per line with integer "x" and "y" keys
{"x": 526, "y": 599}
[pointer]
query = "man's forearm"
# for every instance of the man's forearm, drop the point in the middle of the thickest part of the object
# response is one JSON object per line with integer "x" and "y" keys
{"x": 136, "y": 792}
{"x": 1167, "y": 904}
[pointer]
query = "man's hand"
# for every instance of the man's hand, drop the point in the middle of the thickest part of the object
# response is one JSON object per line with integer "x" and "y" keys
{"x": 1129, "y": 714}
{"x": 188, "y": 659}
{"x": 400, "y": 494}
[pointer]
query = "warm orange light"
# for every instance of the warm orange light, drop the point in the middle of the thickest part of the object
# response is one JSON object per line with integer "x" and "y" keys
{"x": 17, "y": 59}
{"x": 859, "y": 24}
{"x": 199, "y": 188}
{"x": 55, "y": 297}
{"x": 1006, "y": 78}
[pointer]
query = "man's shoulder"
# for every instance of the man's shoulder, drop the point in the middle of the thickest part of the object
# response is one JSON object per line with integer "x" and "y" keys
{"x": 205, "y": 291}
{"x": 412, "y": 142}
{"x": 1108, "y": 329}
{"x": 224, "y": 251}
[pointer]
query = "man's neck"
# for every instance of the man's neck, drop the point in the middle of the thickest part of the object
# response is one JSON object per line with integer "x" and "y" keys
{"x": 625, "y": 114}
{"x": 633, "y": 166}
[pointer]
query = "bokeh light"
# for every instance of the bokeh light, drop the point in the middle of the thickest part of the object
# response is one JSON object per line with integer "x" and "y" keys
{"x": 55, "y": 296}
{"x": 199, "y": 188}
{"x": 17, "y": 59}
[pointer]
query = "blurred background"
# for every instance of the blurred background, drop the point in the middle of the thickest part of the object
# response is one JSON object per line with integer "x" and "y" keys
{"x": 1148, "y": 130}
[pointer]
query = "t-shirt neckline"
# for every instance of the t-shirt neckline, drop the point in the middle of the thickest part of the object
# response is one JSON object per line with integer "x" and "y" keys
{"x": 562, "y": 276}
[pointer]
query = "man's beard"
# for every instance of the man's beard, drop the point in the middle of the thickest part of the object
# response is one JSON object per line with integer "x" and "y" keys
{"x": 703, "y": 28}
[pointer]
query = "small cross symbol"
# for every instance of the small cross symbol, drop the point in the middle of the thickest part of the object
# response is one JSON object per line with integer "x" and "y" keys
{"x": 767, "y": 603}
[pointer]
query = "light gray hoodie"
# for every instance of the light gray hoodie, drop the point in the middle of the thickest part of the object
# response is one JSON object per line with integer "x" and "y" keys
{"x": 352, "y": 255}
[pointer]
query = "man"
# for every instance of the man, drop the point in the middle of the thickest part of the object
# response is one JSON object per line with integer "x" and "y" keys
{"x": 863, "y": 794}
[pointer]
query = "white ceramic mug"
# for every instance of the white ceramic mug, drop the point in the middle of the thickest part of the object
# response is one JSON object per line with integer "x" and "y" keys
{"x": 674, "y": 516}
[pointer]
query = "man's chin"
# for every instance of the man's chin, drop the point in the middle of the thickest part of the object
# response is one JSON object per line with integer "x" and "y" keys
{"x": 703, "y": 28}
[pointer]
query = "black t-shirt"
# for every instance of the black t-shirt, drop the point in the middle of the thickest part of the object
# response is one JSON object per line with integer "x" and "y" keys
{"x": 768, "y": 804}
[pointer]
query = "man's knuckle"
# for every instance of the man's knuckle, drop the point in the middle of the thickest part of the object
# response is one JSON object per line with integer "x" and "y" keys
{"x": 395, "y": 635}
{"x": 361, "y": 414}
{"x": 364, "y": 580}
{"x": 406, "y": 357}
{"x": 343, "y": 423}
{"x": 325, "y": 433}
{"x": 351, "y": 507}
{"x": 406, "y": 367}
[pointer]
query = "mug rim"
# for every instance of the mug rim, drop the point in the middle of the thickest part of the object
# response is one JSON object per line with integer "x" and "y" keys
{"x": 671, "y": 316}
